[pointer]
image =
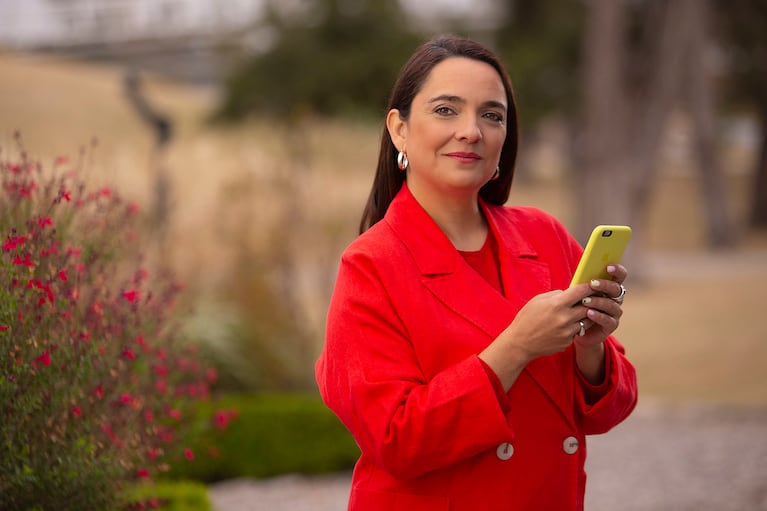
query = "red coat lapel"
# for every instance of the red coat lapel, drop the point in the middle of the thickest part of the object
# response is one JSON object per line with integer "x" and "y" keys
{"x": 454, "y": 283}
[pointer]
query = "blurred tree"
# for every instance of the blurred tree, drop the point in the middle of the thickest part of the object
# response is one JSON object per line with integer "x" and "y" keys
{"x": 539, "y": 44}
{"x": 640, "y": 61}
{"x": 330, "y": 57}
{"x": 743, "y": 25}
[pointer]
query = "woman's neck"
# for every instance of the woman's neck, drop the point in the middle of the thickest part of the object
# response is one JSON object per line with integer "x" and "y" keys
{"x": 459, "y": 217}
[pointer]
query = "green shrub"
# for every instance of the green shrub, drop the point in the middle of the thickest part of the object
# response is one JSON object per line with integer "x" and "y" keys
{"x": 169, "y": 495}
{"x": 95, "y": 381}
{"x": 270, "y": 435}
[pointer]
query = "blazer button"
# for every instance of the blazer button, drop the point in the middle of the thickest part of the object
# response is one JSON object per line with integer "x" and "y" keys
{"x": 570, "y": 445}
{"x": 504, "y": 451}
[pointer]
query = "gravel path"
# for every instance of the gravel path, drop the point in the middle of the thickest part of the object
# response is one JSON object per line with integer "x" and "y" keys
{"x": 663, "y": 458}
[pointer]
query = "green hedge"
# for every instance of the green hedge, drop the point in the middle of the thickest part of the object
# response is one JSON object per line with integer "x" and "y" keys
{"x": 173, "y": 495}
{"x": 272, "y": 435}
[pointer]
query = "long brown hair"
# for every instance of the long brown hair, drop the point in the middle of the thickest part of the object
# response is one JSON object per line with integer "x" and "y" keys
{"x": 388, "y": 179}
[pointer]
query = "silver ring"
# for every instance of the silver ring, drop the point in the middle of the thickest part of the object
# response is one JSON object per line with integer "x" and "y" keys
{"x": 583, "y": 328}
{"x": 619, "y": 299}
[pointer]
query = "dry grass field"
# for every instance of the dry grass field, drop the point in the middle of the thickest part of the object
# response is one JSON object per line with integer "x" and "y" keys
{"x": 694, "y": 325}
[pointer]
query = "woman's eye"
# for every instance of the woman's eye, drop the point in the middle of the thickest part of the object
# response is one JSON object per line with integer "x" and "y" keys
{"x": 443, "y": 110}
{"x": 494, "y": 116}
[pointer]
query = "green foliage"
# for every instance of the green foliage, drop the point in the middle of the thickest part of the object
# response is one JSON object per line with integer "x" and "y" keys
{"x": 93, "y": 381}
{"x": 168, "y": 496}
{"x": 742, "y": 25}
{"x": 270, "y": 435}
{"x": 343, "y": 60}
{"x": 540, "y": 46}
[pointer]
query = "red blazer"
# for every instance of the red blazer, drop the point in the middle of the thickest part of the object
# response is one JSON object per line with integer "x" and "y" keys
{"x": 400, "y": 368}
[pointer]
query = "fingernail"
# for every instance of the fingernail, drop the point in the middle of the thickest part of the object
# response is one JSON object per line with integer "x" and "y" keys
{"x": 610, "y": 268}
{"x": 595, "y": 283}
{"x": 586, "y": 300}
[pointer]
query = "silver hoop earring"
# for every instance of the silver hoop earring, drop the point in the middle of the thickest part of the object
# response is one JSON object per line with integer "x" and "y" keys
{"x": 496, "y": 174}
{"x": 402, "y": 161}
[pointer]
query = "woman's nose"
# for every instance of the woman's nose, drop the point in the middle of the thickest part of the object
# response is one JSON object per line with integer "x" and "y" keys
{"x": 469, "y": 130}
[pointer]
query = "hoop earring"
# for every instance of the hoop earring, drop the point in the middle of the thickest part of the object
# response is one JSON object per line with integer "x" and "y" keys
{"x": 496, "y": 174}
{"x": 402, "y": 161}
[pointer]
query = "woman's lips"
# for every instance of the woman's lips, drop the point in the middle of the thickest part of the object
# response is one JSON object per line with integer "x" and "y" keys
{"x": 465, "y": 157}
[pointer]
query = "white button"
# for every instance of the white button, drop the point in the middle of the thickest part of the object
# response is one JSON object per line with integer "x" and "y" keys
{"x": 504, "y": 451}
{"x": 570, "y": 445}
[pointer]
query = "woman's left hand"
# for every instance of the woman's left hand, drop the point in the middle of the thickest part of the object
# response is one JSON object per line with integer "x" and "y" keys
{"x": 603, "y": 309}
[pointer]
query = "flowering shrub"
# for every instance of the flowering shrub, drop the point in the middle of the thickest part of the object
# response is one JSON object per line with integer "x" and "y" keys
{"x": 94, "y": 383}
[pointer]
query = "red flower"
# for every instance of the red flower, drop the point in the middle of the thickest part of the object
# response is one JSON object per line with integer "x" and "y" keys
{"x": 132, "y": 295}
{"x": 13, "y": 242}
{"x": 161, "y": 386}
{"x": 61, "y": 160}
{"x": 77, "y": 252}
{"x": 161, "y": 371}
{"x": 44, "y": 222}
{"x": 106, "y": 428}
{"x": 175, "y": 414}
{"x": 25, "y": 192}
{"x": 63, "y": 275}
{"x": 77, "y": 412}
{"x": 126, "y": 398}
{"x": 166, "y": 435}
{"x": 133, "y": 208}
{"x": 99, "y": 391}
{"x": 222, "y": 418}
{"x": 27, "y": 261}
{"x": 142, "y": 473}
{"x": 4, "y": 327}
{"x": 140, "y": 275}
{"x": 127, "y": 353}
{"x": 188, "y": 454}
{"x": 44, "y": 359}
{"x": 211, "y": 375}
{"x": 149, "y": 416}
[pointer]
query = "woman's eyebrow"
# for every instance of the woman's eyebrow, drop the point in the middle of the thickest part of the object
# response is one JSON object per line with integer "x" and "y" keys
{"x": 458, "y": 99}
{"x": 447, "y": 97}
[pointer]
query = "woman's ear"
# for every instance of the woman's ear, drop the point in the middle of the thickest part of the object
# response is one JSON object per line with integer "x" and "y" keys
{"x": 397, "y": 128}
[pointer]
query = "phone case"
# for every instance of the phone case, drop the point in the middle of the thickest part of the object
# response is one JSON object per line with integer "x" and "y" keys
{"x": 606, "y": 245}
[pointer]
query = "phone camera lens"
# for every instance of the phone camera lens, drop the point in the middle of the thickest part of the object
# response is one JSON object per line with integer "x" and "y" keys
{"x": 607, "y": 233}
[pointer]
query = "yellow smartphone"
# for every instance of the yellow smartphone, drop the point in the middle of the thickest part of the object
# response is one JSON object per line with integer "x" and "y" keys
{"x": 605, "y": 246}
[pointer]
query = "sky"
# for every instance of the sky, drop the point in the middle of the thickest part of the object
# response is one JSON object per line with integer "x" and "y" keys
{"x": 30, "y": 22}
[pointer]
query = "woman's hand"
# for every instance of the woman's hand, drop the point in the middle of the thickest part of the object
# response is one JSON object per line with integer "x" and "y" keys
{"x": 603, "y": 308}
{"x": 603, "y": 313}
{"x": 545, "y": 325}
{"x": 550, "y": 322}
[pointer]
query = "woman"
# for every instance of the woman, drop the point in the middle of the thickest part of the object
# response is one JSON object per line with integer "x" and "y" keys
{"x": 466, "y": 374}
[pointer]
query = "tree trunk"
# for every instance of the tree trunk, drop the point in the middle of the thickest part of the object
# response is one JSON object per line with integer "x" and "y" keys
{"x": 721, "y": 231}
{"x": 666, "y": 25}
{"x": 598, "y": 184}
{"x": 627, "y": 99}
{"x": 759, "y": 198}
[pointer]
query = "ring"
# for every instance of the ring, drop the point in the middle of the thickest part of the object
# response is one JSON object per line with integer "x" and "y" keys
{"x": 619, "y": 299}
{"x": 582, "y": 330}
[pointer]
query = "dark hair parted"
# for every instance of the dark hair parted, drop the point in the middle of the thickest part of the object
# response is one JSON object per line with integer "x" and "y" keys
{"x": 388, "y": 179}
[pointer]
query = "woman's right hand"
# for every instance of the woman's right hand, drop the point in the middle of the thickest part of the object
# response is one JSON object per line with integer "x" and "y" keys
{"x": 545, "y": 325}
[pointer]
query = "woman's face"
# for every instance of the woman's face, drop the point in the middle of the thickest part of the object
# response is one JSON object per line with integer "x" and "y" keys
{"x": 456, "y": 129}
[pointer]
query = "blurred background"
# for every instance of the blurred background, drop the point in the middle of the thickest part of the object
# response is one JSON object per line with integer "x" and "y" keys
{"x": 249, "y": 130}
